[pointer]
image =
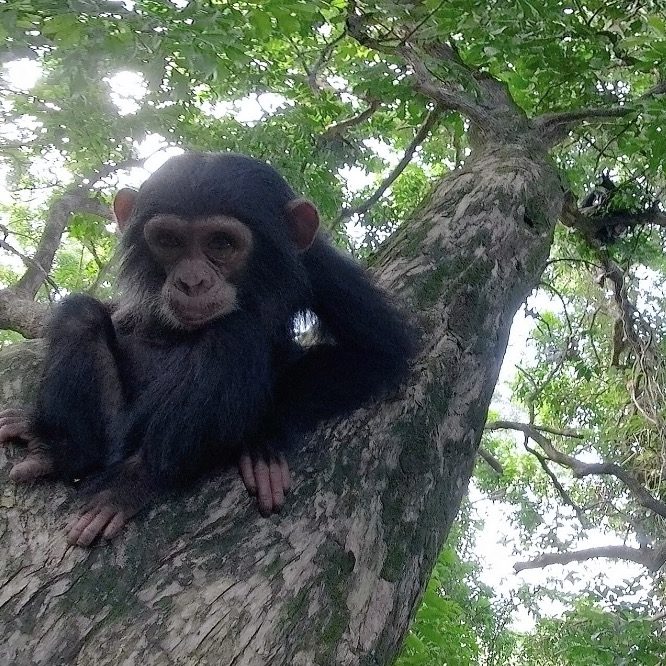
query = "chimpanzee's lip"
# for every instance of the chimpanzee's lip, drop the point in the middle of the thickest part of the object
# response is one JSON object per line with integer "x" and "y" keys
{"x": 195, "y": 312}
{"x": 192, "y": 320}
{"x": 191, "y": 317}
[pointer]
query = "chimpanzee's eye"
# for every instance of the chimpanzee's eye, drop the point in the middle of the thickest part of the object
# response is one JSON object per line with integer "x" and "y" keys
{"x": 220, "y": 242}
{"x": 167, "y": 240}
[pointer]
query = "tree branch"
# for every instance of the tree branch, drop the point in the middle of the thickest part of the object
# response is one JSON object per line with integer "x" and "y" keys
{"x": 60, "y": 211}
{"x": 76, "y": 199}
{"x": 313, "y": 73}
{"x": 598, "y": 228}
{"x": 490, "y": 459}
{"x": 561, "y": 491}
{"x": 657, "y": 617}
{"x": 447, "y": 94}
{"x": 443, "y": 92}
{"x": 555, "y": 126}
{"x": 27, "y": 261}
{"x": 647, "y": 389}
{"x": 549, "y": 120}
{"x": 429, "y": 123}
{"x": 651, "y": 558}
{"x": 337, "y": 129}
{"x": 356, "y": 26}
{"x": 581, "y": 469}
{"x": 511, "y": 425}
{"x": 107, "y": 169}
{"x": 22, "y": 315}
{"x": 658, "y": 89}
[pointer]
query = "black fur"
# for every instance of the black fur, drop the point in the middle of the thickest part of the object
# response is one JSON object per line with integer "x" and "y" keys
{"x": 190, "y": 400}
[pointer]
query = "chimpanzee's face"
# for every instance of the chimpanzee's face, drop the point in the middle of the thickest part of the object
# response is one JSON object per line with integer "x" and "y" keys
{"x": 203, "y": 259}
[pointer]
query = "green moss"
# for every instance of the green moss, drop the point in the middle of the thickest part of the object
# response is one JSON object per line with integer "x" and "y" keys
{"x": 99, "y": 587}
{"x": 332, "y": 633}
{"x": 431, "y": 285}
{"x": 416, "y": 427}
{"x": 394, "y": 562}
{"x": 467, "y": 315}
{"x": 449, "y": 273}
{"x": 537, "y": 213}
{"x": 220, "y": 547}
{"x": 165, "y": 605}
{"x": 407, "y": 241}
{"x": 338, "y": 564}
{"x": 418, "y": 456}
{"x": 535, "y": 263}
{"x": 273, "y": 568}
{"x": 294, "y": 609}
{"x": 412, "y": 244}
{"x": 392, "y": 510}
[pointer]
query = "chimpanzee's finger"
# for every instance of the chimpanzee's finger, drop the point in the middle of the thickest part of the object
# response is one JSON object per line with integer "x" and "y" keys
{"x": 277, "y": 490}
{"x": 247, "y": 473}
{"x": 12, "y": 412}
{"x": 286, "y": 474}
{"x": 264, "y": 493}
{"x": 77, "y": 524}
{"x": 116, "y": 525}
{"x": 12, "y": 428}
{"x": 96, "y": 526}
{"x": 30, "y": 468}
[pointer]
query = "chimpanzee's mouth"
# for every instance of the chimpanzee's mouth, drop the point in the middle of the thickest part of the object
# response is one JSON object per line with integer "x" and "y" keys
{"x": 192, "y": 315}
{"x": 194, "y": 318}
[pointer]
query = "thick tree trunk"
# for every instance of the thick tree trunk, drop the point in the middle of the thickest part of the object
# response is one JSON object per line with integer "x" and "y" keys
{"x": 203, "y": 579}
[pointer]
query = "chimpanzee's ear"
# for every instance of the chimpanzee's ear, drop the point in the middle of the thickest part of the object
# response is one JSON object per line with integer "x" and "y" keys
{"x": 303, "y": 220}
{"x": 123, "y": 205}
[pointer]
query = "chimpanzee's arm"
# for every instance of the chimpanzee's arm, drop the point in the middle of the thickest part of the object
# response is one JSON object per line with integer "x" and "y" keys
{"x": 370, "y": 350}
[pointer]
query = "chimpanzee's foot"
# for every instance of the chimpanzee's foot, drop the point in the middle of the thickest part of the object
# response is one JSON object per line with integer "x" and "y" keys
{"x": 110, "y": 509}
{"x": 267, "y": 477}
{"x": 15, "y": 425}
{"x": 103, "y": 516}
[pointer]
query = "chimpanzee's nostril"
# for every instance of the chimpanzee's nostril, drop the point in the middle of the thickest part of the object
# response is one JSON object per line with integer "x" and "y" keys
{"x": 193, "y": 288}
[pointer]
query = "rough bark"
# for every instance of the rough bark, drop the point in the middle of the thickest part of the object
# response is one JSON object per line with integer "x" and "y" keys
{"x": 21, "y": 314}
{"x": 203, "y": 579}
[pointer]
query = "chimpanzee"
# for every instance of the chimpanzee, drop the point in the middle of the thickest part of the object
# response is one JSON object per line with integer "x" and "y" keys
{"x": 199, "y": 363}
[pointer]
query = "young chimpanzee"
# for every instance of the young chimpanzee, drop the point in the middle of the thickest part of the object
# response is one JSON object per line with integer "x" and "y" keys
{"x": 199, "y": 364}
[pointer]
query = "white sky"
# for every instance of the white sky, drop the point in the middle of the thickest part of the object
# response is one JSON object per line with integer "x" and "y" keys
{"x": 495, "y": 542}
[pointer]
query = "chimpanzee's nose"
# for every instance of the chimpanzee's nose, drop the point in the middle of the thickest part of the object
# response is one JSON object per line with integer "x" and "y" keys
{"x": 192, "y": 285}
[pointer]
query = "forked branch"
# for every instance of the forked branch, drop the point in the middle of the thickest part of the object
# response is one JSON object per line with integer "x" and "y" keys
{"x": 581, "y": 469}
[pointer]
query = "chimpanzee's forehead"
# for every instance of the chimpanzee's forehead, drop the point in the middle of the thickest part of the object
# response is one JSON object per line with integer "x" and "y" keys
{"x": 196, "y": 184}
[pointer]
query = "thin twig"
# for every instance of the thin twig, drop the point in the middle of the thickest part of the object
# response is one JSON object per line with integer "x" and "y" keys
{"x": 425, "y": 129}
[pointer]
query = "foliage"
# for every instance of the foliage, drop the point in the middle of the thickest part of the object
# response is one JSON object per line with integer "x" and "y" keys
{"x": 588, "y": 635}
{"x": 460, "y": 621}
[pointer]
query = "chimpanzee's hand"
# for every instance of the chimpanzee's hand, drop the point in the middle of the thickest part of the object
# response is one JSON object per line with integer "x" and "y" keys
{"x": 267, "y": 476}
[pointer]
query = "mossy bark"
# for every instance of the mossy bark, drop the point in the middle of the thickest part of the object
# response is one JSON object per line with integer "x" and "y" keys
{"x": 203, "y": 579}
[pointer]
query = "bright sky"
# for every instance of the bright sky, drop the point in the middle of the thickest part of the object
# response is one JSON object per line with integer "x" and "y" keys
{"x": 495, "y": 543}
